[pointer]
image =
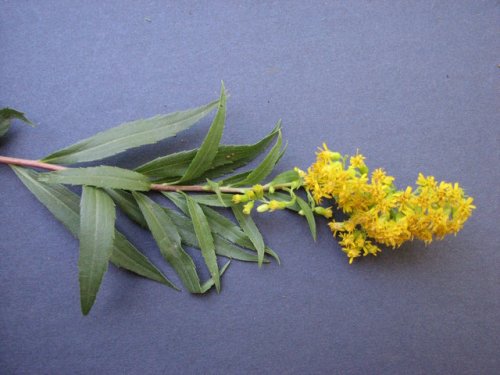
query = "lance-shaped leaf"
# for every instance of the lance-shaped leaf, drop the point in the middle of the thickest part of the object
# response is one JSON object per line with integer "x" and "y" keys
{"x": 7, "y": 115}
{"x": 64, "y": 205}
{"x": 169, "y": 241}
{"x": 224, "y": 200}
{"x": 208, "y": 150}
{"x": 102, "y": 176}
{"x": 97, "y": 232}
{"x": 251, "y": 230}
{"x": 126, "y": 202}
{"x": 266, "y": 166}
{"x": 306, "y": 210}
{"x": 205, "y": 239}
{"x": 222, "y": 246}
{"x": 236, "y": 180}
{"x": 285, "y": 178}
{"x": 221, "y": 225}
{"x": 210, "y": 282}
{"x": 229, "y": 158}
{"x": 129, "y": 135}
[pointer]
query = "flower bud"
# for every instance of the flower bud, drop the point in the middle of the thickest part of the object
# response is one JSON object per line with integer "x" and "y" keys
{"x": 247, "y": 208}
{"x": 326, "y": 212}
{"x": 258, "y": 190}
{"x": 263, "y": 208}
{"x": 238, "y": 198}
{"x": 277, "y": 205}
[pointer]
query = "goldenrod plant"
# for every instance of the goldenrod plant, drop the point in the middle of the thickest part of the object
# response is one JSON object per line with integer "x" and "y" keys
{"x": 200, "y": 182}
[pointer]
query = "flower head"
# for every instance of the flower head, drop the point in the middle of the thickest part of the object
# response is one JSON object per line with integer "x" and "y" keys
{"x": 378, "y": 211}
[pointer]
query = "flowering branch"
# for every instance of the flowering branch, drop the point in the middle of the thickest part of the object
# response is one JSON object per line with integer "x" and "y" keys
{"x": 375, "y": 211}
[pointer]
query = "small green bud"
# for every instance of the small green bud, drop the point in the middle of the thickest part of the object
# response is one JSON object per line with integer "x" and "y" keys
{"x": 263, "y": 208}
{"x": 335, "y": 156}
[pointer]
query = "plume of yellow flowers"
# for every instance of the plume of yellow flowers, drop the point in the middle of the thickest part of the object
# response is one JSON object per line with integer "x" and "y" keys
{"x": 377, "y": 211}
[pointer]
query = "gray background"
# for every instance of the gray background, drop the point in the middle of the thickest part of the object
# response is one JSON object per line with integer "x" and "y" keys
{"x": 413, "y": 85}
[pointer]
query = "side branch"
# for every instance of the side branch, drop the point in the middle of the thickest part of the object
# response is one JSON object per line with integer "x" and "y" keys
{"x": 156, "y": 187}
{"x": 30, "y": 163}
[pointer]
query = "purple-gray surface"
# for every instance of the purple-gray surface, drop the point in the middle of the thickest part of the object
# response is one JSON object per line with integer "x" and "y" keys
{"x": 413, "y": 85}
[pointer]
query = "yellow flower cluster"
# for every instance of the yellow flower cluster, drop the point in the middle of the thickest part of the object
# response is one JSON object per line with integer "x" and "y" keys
{"x": 377, "y": 210}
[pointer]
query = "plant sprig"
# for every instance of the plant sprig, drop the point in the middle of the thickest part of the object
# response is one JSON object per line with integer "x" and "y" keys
{"x": 197, "y": 180}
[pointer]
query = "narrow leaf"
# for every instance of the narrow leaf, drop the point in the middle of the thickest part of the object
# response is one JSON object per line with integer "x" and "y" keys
{"x": 7, "y": 115}
{"x": 126, "y": 202}
{"x": 223, "y": 200}
{"x": 237, "y": 179}
{"x": 228, "y": 159}
{"x": 285, "y": 178}
{"x": 130, "y": 135}
{"x": 97, "y": 232}
{"x": 205, "y": 239}
{"x": 222, "y": 246}
{"x": 251, "y": 230}
{"x": 169, "y": 241}
{"x": 64, "y": 205}
{"x": 266, "y": 166}
{"x": 306, "y": 209}
{"x": 102, "y": 176}
{"x": 221, "y": 225}
{"x": 210, "y": 282}
{"x": 169, "y": 166}
{"x": 208, "y": 150}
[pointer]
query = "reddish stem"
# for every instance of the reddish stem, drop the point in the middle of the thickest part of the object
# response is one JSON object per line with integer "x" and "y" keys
{"x": 157, "y": 187}
{"x": 30, "y": 163}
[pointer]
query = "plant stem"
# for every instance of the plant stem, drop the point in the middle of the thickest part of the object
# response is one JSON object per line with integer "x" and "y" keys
{"x": 157, "y": 187}
{"x": 30, "y": 163}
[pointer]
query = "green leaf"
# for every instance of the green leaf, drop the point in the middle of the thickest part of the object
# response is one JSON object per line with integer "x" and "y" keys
{"x": 306, "y": 209}
{"x": 237, "y": 179}
{"x": 97, "y": 232}
{"x": 224, "y": 200}
{"x": 65, "y": 206}
{"x": 102, "y": 176}
{"x": 205, "y": 239}
{"x": 126, "y": 202}
{"x": 285, "y": 178}
{"x": 229, "y": 157}
{"x": 169, "y": 166}
{"x": 266, "y": 167}
{"x": 129, "y": 135}
{"x": 169, "y": 241}
{"x": 220, "y": 225}
{"x": 222, "y": 246}
{"x": 210, "y": 282}
{"x": 208, "y": 150}
{"x": 251, "y": 230}
{"x": 7, "y": 115}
